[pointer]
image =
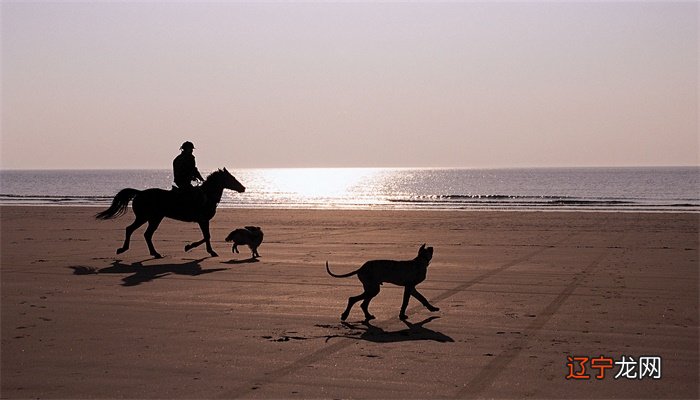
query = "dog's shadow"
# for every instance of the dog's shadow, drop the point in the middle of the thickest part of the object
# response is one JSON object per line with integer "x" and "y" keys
{"x": 372, "y": 333}
{"x": 142, "y": 274}
{"x": 246, "y": 261}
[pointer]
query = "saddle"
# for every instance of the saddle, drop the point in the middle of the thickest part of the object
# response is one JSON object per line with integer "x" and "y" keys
{"x": 191, "y": 197}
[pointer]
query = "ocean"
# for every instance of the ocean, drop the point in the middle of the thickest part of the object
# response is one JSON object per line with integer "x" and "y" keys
{"x": 671, "y": 189}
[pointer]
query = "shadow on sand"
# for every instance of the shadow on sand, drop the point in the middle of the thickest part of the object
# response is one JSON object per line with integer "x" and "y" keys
{"x": 141, "y": 274}
{"x": 246, "y": 261}
{"x": 366, "y": 331}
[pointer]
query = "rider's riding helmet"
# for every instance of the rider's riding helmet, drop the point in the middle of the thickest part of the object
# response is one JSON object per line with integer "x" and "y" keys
{"x": 187, "y": 145}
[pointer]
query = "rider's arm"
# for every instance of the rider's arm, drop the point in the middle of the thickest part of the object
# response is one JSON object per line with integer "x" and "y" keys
{"x": 197, "y": 174}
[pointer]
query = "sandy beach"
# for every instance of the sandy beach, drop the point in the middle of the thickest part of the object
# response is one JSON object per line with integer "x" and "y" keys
{"x": 519, "y": 292}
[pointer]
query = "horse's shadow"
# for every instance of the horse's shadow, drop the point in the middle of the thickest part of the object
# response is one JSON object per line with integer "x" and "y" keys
{"x": 372, "y": 333}
{"x": 142, "y": 274}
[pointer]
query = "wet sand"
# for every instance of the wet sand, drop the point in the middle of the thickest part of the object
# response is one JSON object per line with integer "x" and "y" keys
{"x": 518, "y": 292}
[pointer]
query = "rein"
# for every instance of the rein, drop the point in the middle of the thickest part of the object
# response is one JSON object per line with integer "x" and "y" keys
{"x": 213, "y": 187}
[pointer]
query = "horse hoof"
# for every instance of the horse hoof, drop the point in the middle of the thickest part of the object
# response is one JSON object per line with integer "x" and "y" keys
{"x": 188, "y": 247}
{"x": 213, "y": 254}
{"x": 156, "y": 255}
{"x": 121, "y": 250}
{"x": 403, "y": 317}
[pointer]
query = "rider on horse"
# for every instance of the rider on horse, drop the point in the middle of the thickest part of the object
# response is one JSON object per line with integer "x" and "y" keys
{"x": 185, "y": 168}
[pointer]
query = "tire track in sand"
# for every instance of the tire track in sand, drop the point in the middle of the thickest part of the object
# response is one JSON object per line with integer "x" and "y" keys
{"x": 476, "y": 386}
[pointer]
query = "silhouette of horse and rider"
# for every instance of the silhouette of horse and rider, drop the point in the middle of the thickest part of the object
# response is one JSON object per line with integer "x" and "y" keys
{"x": 183, "y": 203}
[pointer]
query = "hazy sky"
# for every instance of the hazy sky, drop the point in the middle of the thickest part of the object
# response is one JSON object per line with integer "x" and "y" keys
{"x": 123, "y": 84}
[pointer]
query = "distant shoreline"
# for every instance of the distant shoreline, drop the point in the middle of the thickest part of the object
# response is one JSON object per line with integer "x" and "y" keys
{"x": 96, "y": 207}
{"x": 234, "y": 168}
{"x": 653, "y": 189}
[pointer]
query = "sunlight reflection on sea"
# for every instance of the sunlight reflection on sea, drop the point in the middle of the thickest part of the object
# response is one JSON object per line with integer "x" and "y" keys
{"x": 561, "y": 189}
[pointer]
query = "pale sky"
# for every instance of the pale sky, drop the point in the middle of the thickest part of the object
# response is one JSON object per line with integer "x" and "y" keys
{"x": 485, "y": 85}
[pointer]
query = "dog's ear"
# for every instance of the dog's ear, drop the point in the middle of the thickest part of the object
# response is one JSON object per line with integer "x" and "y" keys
{"x": 422, "y": 247}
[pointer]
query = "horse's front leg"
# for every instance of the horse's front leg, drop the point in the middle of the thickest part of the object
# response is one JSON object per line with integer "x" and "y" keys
{"x": 204, "y": 226}
{"x": 192, "y": 245}
{"x": 207, "y": 237}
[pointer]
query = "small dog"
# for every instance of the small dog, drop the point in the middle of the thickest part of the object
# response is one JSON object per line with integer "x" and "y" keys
{"x": 250, "y": 235}
{"x": 402, "y": 273}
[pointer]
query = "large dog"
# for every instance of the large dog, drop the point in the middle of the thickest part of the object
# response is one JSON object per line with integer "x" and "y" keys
{"x": 403, "y": 273}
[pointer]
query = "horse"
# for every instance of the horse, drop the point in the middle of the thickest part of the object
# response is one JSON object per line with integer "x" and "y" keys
{"x": 197, "y": 204}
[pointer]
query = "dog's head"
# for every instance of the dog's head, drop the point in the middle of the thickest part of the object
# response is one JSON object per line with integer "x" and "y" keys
{"x": 238, "y": 234}
{"x": 425, "y": 253}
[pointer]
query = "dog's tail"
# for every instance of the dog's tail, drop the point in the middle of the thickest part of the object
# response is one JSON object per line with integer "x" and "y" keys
{"x": 340, "y": 276}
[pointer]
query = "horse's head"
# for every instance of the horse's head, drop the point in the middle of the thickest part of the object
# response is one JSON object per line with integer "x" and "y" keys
{"x": 219, "y": 180}
{"x": 230, "y": 182}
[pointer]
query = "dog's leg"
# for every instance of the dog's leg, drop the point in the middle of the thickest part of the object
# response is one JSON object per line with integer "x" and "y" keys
{"x": 423, "y": 300}
{"x": 351, "y": 302}
{"x": 407, "y": 291}
{"x": 234, "y": 249}
{"x": 370, "y": 293}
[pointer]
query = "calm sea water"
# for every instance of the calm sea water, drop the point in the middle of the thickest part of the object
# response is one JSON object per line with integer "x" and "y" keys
{"x": 583, "y": 189}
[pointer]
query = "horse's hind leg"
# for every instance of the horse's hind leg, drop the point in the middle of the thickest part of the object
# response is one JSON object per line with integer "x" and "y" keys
{"x": 129, "y": 230}
{"x": 152, "y": 226}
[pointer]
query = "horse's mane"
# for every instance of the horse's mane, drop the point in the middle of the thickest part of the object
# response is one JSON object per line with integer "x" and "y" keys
{"x": 213, "y": 180}
{"x": 214, "y": 175}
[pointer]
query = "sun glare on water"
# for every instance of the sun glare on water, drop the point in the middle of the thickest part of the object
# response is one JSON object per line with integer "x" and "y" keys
{"x": 316, "y": 182}
{"x": 315, "y": 187}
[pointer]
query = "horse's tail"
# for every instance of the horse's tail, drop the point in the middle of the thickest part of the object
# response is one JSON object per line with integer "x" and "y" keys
{"x": 340, "y": 276}
{"x": 119, "y": 204}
